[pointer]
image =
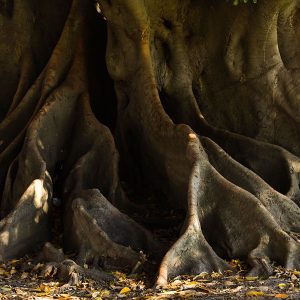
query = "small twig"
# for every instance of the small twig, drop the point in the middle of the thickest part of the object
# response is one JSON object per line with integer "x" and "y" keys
{"x": 142, "y": 260}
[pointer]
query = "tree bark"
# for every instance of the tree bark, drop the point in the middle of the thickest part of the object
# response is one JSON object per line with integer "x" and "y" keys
{"x": 197, "y": 106}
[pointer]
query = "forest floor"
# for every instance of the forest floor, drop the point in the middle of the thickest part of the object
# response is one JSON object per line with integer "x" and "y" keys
{"x": 21, "y": 279}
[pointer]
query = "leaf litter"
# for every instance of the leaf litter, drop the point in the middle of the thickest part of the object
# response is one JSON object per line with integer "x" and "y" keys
{"x": 21, "y": 279}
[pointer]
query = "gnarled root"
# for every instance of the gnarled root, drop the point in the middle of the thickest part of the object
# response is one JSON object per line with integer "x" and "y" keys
{"x": 235, "y": 205}
{"x": 241, "y": 195}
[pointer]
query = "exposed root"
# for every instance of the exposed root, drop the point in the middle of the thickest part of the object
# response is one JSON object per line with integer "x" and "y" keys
{"x": 241, "y": 195}
{"x": 26, "y": 203}
{"x": 68, "y": 270}
{"x": 263, "y": 158}
{"x": 115, "y": 238}
{"x": 249, "y": 181}
{"x": 218, "y": 187}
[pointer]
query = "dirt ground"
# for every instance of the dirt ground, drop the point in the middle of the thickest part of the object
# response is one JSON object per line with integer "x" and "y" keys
{"x": 21, "y": 279}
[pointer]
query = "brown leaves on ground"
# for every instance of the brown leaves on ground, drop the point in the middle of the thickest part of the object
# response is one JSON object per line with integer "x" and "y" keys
{"x": 22, "y": 279}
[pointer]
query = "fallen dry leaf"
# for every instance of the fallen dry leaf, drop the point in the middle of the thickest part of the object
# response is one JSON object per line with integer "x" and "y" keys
{"x": 13, "y": 271}
{"x": 297, "y": 273}
{"x": 294, "y": 277}
{"x": 14, "y": 261}
{"x": 282, "y": 296}
{"x": 249, "y": 278}
{"x": 125, "y": 290}
{"x": 255, "y": 293}
{"x": 202, "y": 275}
{"x": 229, "y": 283}
{"x": 215, "y": 275}
{"x": 64, "y": 297}
{"x": 44, "y": 288}
{"x": 282, "y": 286}
{"x": 24, "y": 275}
{"x": 237, "y": 289}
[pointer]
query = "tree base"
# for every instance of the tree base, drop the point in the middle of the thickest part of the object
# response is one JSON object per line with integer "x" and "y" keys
{"x": 241, "y": 195}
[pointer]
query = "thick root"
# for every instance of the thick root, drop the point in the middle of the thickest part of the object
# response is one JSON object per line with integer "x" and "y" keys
{"x": 241, "y": 195}
{"x": 227, "y": 192}
{"x": 115, "y": 238}
{"x": 27, "y": 198}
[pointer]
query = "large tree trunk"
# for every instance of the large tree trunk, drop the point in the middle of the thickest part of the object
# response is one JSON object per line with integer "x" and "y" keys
{"x": 201, "y": 101}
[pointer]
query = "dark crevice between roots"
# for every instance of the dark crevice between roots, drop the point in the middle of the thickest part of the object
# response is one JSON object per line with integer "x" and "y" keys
{"x": 7, "y": 7}
{"x": 57, "y": 212}
{"x": 148, "y": 204}
{"x": 273, "y": 169}
{"x": 101, "y": 86}
{"x": 171, "y": 108}
{"x": 156, "y": 214}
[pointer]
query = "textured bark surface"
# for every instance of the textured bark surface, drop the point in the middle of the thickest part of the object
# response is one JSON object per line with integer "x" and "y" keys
{"x": 196, "y": 105}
